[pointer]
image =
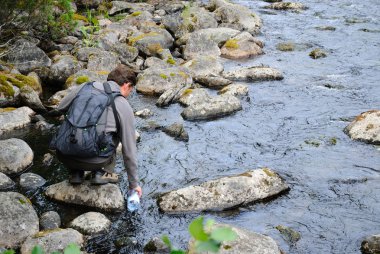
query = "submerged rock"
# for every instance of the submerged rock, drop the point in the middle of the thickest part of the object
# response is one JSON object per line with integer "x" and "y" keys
{"x": 287, "y": 6}
{"x": 365, "y": 127}
{"x": 290, "y": 235}
{"x": 317, "y": 53}
{"x": 53, "y": 240}
{"x": 177, "y": 131}
{"x": 106, "y": 197}
{"x": 5, "y": 182}
{"x": 213, "y": 81}
{"x": 15, "y": 155}
{"x": 91, "y": 223}
{"x": 217, "y": 106}
{"x": 50, "y": 220}
{"x": 15, "y": 119}
{"x": 255, "y": 73}
{"x": 31, "y": 181}
{"x": 371, "y": 245}
{"x": 18, "y": 219}
{"x": 224, "y": 193}
{"x": 144, "y": 113}
{"x": 156, "y": 246}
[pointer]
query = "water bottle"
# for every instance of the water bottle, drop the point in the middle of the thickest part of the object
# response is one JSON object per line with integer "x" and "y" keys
{"x": 133, "y": 201}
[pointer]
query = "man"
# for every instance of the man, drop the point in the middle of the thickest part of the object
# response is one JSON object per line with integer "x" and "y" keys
{"x": 122, "y": 79}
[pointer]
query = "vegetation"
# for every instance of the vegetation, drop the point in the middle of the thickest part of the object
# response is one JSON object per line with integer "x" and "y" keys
{"x": 232, "y": 43}
{"x": 207, "y": 237}
{"x": 70, "y": 249}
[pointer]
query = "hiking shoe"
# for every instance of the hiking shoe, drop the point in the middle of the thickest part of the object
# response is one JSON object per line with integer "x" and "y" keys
{"x": 101, "y": 177}
{"x": 77, "y": 177}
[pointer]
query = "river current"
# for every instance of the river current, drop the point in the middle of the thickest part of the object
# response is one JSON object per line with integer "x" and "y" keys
{"x": 294, "y": 126}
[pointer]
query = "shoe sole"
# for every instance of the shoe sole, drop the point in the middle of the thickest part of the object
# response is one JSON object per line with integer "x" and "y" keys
{"x": 97, "y": 182}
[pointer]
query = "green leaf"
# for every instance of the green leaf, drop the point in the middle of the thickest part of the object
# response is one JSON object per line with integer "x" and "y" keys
{"x": 37, "y": 250}
{"x": 166, "y": 240}
{"x": 196, "y": 229}
{"x": 209, "y": 245}
{"x": 55, "y": 252}
{"x": 8, "y": 252}
{"x": 223, "y": 234}
{"x": 177, "y": 252}
{"x": 72, "y": 248}
{"x": 209, "y": 224}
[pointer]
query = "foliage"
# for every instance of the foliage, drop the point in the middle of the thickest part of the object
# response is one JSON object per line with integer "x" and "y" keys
{"x": 89, "y": 31}
{"x": 72, "y": 248}
{"x": 207, "y": 236}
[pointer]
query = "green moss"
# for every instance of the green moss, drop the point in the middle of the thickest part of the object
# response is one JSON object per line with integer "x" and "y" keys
{"x": 132, "y": 40}
{"x": 69, "y": 81}
{"x": 102, "y": 72}
{"x": 28, "y": 81}
{"x": 136, "y": 13}
{"x": 232, "y": 43}
{"x": 172, "y": 74}
{"x": 155, "y": 48}
{"x": 8, "y": 80}
{"x": 5, "y": 88}
{"x": 82, "y": 79}
{"x": 163, "y": 76}
{"x": 333, "y": 141}
{"x": 313, "y": 143}
{"x": 46, "y": 232}
{"x": 187, "y": 91}
{"x": 183, "y": 74}
{"x": 170, "y": 60}
{"x": 285, "y": 46}
{"x": 77, "y": 16}
{"x": 268, "y": 172}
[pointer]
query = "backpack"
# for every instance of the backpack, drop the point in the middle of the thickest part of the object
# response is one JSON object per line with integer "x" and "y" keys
{"x": 79, "y": 135}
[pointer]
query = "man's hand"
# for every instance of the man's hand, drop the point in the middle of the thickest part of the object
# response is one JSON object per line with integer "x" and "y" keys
{"x": 139, "y": 191}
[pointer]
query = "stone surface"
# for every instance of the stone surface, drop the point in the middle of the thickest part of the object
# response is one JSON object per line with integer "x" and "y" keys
{"x": 365, "y": 127}
{"x": 237, "y": 90}
{"x": 287, "y": 6}
{"x": 118, "y": 6}
{"x": 106, "y": 197}
{"x": 30, "y": 98}
{"x": 63, "y": 67}
{"x": 203, "y": 66}
{"x": 91, "y": 223}
{"x": 194, "y": 96}
{"x": 371, "y": 245}
{"x": 18, "y": 219}
{"x": 255, "y": 73}
{"x": 5, "y": 182}
{"x": 87, "y": 75}
{"x": 213, "y": 81}
{"x": 215, "y": 107}
{"x": 31, "y": 181}
{"x": 242, "y": 46}
{"x": 15, "y": 119}
{"x": 15, "y": 155}
{"x": 156, "y": 246}
{"x": 172, "y": 95}
{"x": 144, "y": 113}
{"x": 224, "y": 193}
{"x": 177, "y": 131}
{"x": 53, "y": 240}
{"x": 104, "y": 64}
{"x": 152, "y": 42}
{"x": 50, "y": 220}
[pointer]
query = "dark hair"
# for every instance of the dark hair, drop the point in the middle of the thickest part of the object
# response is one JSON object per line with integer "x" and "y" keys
{"x": 122, "y": 74}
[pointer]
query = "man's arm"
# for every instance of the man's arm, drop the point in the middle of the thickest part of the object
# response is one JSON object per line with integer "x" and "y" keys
{"x": 65, "y": 103}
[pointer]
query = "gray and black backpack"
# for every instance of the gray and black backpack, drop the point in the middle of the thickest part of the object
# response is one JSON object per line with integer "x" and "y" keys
{"x": 79, "y": 134}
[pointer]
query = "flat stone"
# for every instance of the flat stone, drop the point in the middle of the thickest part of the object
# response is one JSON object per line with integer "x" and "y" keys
{"x": 255, "y": 73}
{"x": 365, "y": 127}
{"x": 194, "y": 96}
{"x": 53, "y": 240}
{"x": 91, "y": 223}
{"x": 18, "y": 219}
{"x": 15, "y": 119}
{"x": 50, "y": 220}
{"x": 203, "y": 66}
{"x": 224, "y": 193}
{"x": 15, "y": 155}
{"x": 5, "y": 182}
{"x": 106, "y": 197}
{"x": 31, "y": 181}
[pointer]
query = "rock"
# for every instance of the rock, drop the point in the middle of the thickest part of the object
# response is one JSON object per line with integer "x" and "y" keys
{"x": 255, "y": 73}
{"x": 224, "y": 193}
{"x": 317, "y": 53}
{"x": 246, "y": 242}
{"x": 127, "y": 54}
{"x": 18, "y": 219}
{"x": 290, "y": 235}
{"x": 242, "y": 46}
{"x": 38, "y": 82}
{"x": 5, "y": 182}
{"x": 286, "y": 46}
{"x": 56, "y": 98}
{"x": 156, "y": 246}
{"x": 325, "y": 28}
{"x": 43, "y": 126}
{"x": 63, "y": 67}
{"x": 235, "y": 16}
{"x": 91, "y": 223}
{"x": 50, "y": 220}
{"x": 177, "y": 131}
{"x": 31, "y": 181}
{"x": 88, "y": 3}
{"x": 213, "y": 81}
{"x": 30, "y": 98}
{"x": 194, "y": 96}
{"x": 53, "y": 240}
{"x": 286, "y": 6}
{"x": 144, "y": 113}
{"x": 172, "y": 95}
{"x": 88, "y": 75}
{"x": 203, "y": 66}
{"x": 134, "y": 8}
{"x": 15, "y": 155}
{"x": 237, "y": 90}
{"x": 106, "y": 197}
{"x": 155, "y": 81}
{"x": 104, "y": 64}
{"x": 48, "y": 159}
{"x": 126, "y": 241}
{"x": 26, "y": 56}
{"x": 107, "y": 38}
{"x": 15, "y": 119}
{"x": 371, "y": 245}
{"x": 215, "y": 107}
{"x": 68, "y": 40}
{"x": 365, "y": 127}
{"x": 151, "y": 126}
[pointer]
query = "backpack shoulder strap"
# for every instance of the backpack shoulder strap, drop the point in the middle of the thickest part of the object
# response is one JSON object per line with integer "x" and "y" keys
{"x": 108, "y": 91}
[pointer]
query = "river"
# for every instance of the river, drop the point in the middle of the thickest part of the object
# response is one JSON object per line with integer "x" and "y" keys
{"x": 294, "y": 126}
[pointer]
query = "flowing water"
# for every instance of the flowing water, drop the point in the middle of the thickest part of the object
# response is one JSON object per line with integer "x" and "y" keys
{"x": 294, "y": 126}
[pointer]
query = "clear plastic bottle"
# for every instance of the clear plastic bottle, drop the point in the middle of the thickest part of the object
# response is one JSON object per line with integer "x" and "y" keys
{"x": 133, "y": 201}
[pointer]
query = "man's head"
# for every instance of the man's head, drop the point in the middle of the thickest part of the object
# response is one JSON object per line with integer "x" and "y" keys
{"x": 125, "y": 77}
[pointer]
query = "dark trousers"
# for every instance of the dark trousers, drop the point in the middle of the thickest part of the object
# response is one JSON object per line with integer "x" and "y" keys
{"x": 92, "y": 164}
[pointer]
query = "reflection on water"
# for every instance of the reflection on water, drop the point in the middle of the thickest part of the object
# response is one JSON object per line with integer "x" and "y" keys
{"x": 286, "y": 125}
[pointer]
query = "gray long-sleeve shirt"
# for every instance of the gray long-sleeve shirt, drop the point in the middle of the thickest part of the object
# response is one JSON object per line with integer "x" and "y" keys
{"x": 127, "y": 135}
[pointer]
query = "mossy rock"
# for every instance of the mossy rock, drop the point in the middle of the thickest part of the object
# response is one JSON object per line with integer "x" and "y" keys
{"x": 289, "y": 234}
{"x": 232, "y": 43}
{"x": 285, "y": 46}
{"x": 317, "y": 53}
{"x": 132, "y": 40}
{"x": 9, "y": 80}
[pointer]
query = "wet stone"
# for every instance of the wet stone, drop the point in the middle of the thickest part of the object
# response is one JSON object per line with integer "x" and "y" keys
{"x": 31, "y": 181}
{"x": 5, "y": 182}
{"x": 126, "y": 241}
{"x": 255, "y": 73}
{"x": 144, "y": 113}
{"x": 91, "y": 223}
{"x": 371, "y": 245}
{"x": 15, "y": 155}
{"x": 290, "y": 235}
{"x": 317, "y": 53}
{"x": 156, "y": 246}
{"x": 50, "y": 220}
{"x": 15, "y": 119}
{"x": 365, "y": 127}
{"x": 177, "y": 131}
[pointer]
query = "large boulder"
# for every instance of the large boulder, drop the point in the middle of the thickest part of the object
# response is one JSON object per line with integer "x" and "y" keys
{"x": 15, "y": 155}
{"x": 365, "y": 127}
{"x": 63, "y": 67}
{"x": 235, "y": 16}
{"x": 121, "y": 6}
{"x": 213, "y": 81}
{"x": 91, "y": 223}
{"x": 224, "y": 193}
{"x": 18, "y": 219}
{"x": 242, "y": 46}
{"x": 371, "y": 245}
{"x": 215, "y": 107}
{"x": 26, "y": 56}
{"x": 155, "y": 80}
{"x": 104, "y": 64}
{"x": 255, "y": 73}
{"x": 53, "y": 240}
{"x": 5, "y": 182}
{"x": 194, "y": 96}
{"x": 56, "y": 98}
{"x": 106, "y": 197}
{"x": 203, "y": 66}
{"x": 30, "y": 98}
{"x": 15, "y": 119}
{"x": 86, "y": 76}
